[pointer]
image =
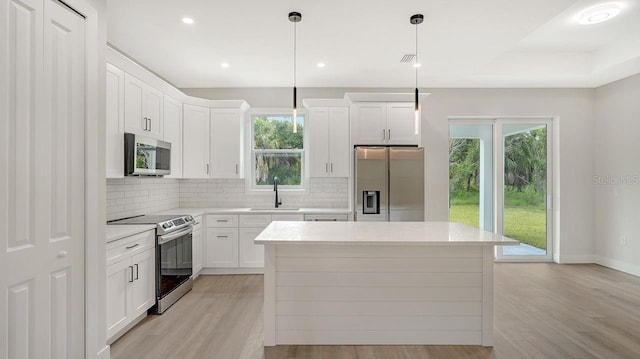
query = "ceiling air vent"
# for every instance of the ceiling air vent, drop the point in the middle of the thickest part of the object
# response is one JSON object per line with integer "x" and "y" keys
{"x": 408, "y": 58}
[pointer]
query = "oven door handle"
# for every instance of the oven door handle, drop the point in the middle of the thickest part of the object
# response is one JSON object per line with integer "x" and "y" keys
{"x": 170, "y": 237}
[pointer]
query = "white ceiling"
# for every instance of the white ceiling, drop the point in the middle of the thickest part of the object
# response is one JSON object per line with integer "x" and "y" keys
{"x": 463, "y": 43}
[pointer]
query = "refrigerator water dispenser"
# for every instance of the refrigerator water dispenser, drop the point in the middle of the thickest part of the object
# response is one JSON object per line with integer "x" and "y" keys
{"x": 371, "y": 202}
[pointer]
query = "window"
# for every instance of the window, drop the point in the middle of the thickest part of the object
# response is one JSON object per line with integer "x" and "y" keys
{"x": 277, "y": 151}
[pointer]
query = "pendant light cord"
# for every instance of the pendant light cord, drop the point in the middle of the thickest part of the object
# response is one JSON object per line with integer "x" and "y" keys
{"x": 417, "y": 62}
{"x": 294, "y": 52}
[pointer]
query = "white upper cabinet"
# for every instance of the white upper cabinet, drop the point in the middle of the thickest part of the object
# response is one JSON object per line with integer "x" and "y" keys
{"x": 115, "y": 122}
{"x": 384, "y": 123}
{"x": 226, "y": 143}
{"x": 339, "y": 141}
{"x": 195, "y": 144}
{"x": 172, "y": 116}
{"x": 328, "y": 141}
{"x": 142, "y": 108}
{"x": 401, "y": 124}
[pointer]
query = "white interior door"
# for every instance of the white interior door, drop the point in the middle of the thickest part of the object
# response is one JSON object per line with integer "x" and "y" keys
{"x": 42, "y": 182}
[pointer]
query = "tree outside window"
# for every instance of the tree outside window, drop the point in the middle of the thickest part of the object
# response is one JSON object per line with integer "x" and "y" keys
{"x": 277, "y": 151}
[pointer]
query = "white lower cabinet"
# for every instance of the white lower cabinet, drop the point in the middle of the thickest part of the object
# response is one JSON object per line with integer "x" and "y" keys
{"x": 131, "y": 275}
{"x": 250, "y": 255}
{"x": 229, "y": 240}
{"x": 222, "y": 248}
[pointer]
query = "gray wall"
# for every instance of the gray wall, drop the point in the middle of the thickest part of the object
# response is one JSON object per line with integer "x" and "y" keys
{"x": 616, "y": 179}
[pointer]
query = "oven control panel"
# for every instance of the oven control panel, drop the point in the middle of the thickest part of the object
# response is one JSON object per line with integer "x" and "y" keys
{"x": 175, "y": 224}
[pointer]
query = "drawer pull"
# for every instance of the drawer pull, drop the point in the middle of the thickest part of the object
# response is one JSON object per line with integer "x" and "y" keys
{"x": 133, "y": 246}
{"x": 223, "y": 220}
{"x": 222, "y": 236}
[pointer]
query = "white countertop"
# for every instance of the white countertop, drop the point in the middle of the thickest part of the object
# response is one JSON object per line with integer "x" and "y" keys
{"x": 119, "y": 231}
{"x": 379, "y": 233}
{"x": 201, "y": 211}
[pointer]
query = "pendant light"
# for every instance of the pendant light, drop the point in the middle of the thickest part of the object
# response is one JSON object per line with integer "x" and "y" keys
{"x": 295, "y": 17}
{"x": 416, "y": 20}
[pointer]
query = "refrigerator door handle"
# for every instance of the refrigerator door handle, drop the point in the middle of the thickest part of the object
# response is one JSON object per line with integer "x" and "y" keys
{"x": 384, "y": 135}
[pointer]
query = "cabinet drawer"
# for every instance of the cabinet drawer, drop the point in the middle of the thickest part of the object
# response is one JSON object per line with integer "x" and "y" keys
{"x": 222, "y": 220}
{"x": 287, "y": 217}
{"x": 129, "y": 246}
{"x": 255, "y": 220}
{"x": 326, "y": 217}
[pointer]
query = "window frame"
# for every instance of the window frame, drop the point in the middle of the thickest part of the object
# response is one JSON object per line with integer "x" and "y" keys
{"x": 251, "y": 186}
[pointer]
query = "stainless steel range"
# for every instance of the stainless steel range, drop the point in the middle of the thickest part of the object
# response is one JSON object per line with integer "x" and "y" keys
{"x": 174, "y": 265}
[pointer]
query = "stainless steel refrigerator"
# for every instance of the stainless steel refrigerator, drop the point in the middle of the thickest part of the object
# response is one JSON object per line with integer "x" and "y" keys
{"x": 389, "y": 184}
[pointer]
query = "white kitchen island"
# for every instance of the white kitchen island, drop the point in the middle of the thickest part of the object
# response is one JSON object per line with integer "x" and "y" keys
{"x": 378, "y": 283}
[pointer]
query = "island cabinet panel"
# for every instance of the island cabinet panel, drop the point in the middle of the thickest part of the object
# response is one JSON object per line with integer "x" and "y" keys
{"x": 354, "y": 294}
{"x": 378, "y": 294}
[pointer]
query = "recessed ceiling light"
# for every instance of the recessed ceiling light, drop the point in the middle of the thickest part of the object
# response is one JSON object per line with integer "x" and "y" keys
{"x": 320, "y": 64}
{"x": 600, "y": 13}
{"x": 417, "y": 64}
{"x": 224, "y": 64}
{"x": 187, "y": 20}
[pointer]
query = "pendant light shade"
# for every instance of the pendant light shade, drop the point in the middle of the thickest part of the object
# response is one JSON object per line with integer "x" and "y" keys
{"x": 295, "y": 17}
{"x": 416, "y": 20}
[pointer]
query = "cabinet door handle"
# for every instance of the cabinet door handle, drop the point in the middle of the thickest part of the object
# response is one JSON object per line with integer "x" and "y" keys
{"x": 133, "y": 246}
{"x": 149, "y": 125}
{"x": 331, "y": 167}
{"x": 207, "y": 168}
{"x": 389, "y": 130}
{"x": 236, "y": 168}
{"x": 384, "y": 136}
{"x": 145, "y": 123}
{"x": 136, "y": 265}
{"x": 326, "y": 167}
{"x": 222, "y": 236}
{"x": 131, "y": 278}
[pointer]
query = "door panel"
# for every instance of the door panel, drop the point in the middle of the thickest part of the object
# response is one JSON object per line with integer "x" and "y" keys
{"x": 195, "y": 152}
{"x": 371, "y": 178}
{"x": 42, "y": 161}
{"x": 250, "y": 254}
{"x": 524, "y": 212}
{"x": 339, "y": 145}
{"x": 370, "y": 124}
{"x": 225, "y": 143}
{"x": 406, "y": 184}
{"x": 144, "y": 285}
{"x": 401, "y": 124}
{"x": 172, "y": 127}
{"x": 153, "y": 111}
{"x": 134, "y": 118}
{"x": 319, "y": 142}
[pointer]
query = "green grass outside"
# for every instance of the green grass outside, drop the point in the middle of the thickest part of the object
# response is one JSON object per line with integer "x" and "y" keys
{"x": 525, "y": 221}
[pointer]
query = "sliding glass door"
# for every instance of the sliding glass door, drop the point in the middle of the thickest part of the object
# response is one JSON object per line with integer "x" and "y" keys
{"x": 523, "y": 187}
{"x": 499, "y": 181}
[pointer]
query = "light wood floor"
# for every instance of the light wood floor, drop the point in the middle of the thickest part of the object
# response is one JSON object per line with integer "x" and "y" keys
{"x": 541, "y": 311}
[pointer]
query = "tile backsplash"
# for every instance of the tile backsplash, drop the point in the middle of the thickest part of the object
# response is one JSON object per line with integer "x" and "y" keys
{"x": 133, "y": 196}
{"x": 231, "y": 193}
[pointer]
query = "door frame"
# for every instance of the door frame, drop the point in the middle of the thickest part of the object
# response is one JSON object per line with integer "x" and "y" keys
{"x": 498, "y": 167}
{"x": 95, "y": 331}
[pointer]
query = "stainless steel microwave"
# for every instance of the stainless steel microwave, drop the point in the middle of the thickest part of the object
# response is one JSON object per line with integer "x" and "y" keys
{"x": 144, "y": 156}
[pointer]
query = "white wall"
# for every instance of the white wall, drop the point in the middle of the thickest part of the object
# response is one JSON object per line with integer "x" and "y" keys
{"x": 616, "y": 156}
{"x": 573, "y": 137}
{"x": 573, "y": 109}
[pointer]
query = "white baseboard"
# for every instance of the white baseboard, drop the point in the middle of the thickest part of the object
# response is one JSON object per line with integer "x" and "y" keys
{"x": 105, "y": 353}
{"x": 576, "y": 259}
{"x": 618, "y": 265}
{"x": 215, "y": 271}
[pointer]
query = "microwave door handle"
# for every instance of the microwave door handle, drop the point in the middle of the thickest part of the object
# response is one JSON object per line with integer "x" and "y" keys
{"x": 172, "y": 236}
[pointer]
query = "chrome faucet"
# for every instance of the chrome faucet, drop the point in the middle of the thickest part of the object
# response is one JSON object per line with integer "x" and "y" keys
{"x": 275, "y": 188}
